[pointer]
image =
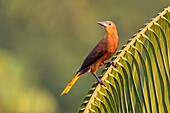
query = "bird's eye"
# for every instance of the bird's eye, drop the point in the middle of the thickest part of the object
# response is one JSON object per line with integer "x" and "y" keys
{"x": 110, "y": 24}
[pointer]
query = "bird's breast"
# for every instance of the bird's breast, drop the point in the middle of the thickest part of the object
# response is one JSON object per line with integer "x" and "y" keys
{"x": 112, "y": 46}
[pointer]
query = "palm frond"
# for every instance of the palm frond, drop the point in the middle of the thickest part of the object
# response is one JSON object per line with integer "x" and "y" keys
{"x": 141, "y": 81}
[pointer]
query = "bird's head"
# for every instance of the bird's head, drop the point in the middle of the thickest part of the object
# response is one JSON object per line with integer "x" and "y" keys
{"x": 109, "y": 26}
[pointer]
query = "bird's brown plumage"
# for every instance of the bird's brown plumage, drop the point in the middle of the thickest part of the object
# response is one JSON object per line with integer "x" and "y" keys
{"x": 105, "y": 48}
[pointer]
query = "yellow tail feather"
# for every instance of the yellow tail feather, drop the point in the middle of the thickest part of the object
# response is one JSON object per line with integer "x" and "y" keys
{"x": 70, "y": 84}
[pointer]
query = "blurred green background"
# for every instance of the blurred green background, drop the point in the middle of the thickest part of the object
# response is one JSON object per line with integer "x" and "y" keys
{"x": 43, "y": 43}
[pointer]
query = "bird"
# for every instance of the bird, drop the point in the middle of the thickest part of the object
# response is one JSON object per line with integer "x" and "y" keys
{"x": 104, "y": 50}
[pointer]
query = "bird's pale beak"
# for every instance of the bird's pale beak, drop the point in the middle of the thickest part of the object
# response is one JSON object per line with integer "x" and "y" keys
{"x": 103, "y": 24}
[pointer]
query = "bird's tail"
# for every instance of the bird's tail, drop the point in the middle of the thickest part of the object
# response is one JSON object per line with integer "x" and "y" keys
{"x": 71, "y": 83}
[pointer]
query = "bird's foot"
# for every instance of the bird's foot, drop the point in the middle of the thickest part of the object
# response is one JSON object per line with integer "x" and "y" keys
{"x": 101, "y": 82}
{"x": 111, "y": 63}
{"x": 114, "y": 64}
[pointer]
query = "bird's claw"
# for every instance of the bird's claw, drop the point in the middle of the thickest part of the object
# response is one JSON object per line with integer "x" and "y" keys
{"x": 101, "y": 82}
{"x": 112, "y": 63}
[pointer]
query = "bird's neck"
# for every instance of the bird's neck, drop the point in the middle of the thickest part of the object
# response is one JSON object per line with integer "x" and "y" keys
{"x": 112, "y": 34}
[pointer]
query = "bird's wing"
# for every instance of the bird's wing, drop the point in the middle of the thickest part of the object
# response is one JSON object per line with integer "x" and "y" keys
{"x": 95, "y": 54}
